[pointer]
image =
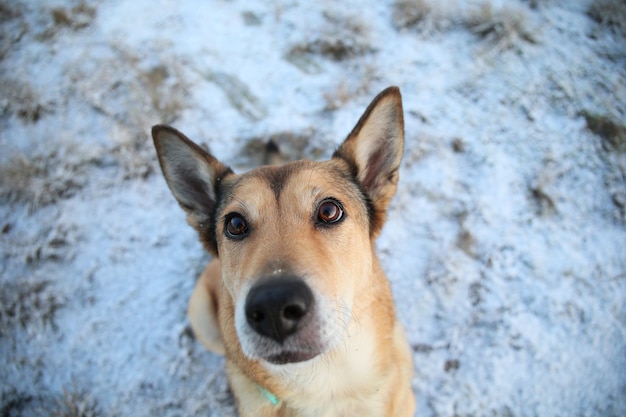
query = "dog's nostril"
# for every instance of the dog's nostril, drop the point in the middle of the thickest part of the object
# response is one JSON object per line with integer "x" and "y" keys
{"x": 294, "y": 312}
{"x": 275, "y": 308}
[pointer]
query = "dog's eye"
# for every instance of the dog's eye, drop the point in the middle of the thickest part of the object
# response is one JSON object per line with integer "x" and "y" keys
{"x": 329, "y": 211}
{"x": 236, "y": 226}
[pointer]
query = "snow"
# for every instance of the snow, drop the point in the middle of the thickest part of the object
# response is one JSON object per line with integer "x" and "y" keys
{"x": 504, "y": 245}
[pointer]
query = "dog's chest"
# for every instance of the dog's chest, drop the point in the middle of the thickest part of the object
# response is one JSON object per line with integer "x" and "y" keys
{"x": 347, "y": 383}
{"x": 351, "y": 408}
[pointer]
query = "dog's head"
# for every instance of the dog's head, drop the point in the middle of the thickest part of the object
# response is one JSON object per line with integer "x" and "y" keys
{"x": 295, "y": 241}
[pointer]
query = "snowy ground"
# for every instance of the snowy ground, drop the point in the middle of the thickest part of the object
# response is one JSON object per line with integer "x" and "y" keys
{"x": 506, "y": 243}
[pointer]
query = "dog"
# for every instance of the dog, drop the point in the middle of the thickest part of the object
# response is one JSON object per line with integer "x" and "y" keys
{"x": 295, "y": 296}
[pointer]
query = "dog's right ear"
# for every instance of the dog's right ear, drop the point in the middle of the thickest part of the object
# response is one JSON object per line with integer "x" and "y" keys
{"x": 194, "y": 177}
{"x": 374, "y": 151}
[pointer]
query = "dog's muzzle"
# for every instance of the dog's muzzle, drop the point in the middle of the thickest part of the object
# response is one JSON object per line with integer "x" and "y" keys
{"x": 281, "y": 321}
{"x": 277, "y": 308}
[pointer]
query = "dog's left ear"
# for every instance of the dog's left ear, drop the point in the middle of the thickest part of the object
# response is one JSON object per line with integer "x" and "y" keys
{"x": 194, "y": 177}
{"x": 374, "y": 151}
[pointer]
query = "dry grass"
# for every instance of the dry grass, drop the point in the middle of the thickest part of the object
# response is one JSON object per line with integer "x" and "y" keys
{"x": 127, "y": 90}
{"x": 410, "y": 13}
{"x": 424, "y": 15}
{"x": 72, "y": 403}
{"x": 280, "y": 147}
{"x": 610, "y": 14}
{"x": 341, "y": 39}
{"x": 613, "y": 133}
{"x": 13, "y": 403}
{"x": 21, "y": 100}
{"x": 542, "y": 190}
{"x": 26, "y": 302}
{"x": 544, "y": 204}
{"x": 238, "y": 94}
{"x": 74, "y": 18}
{"x": 134, "y": 92}
{"x": 502, "y": 27}
{"x": 348, "y": 89}
{"x": 13, "y": 26}
{"x": 166, "y": 89}
{"x": 8, "y": 12}
{"x": 251, "y": 18}
{"x": 130, "y": 90}
{"x": 76, "y": 403}
{"x": 48, "y": 175}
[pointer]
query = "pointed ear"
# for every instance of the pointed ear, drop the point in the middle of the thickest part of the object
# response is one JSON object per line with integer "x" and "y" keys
{"x": 193, "y": 176}
{"x": 374, "y": 151}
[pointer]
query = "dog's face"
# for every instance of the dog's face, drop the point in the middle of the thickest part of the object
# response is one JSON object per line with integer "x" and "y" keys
{"x": 294, "y": 241}
{"x": 294, "y": 245}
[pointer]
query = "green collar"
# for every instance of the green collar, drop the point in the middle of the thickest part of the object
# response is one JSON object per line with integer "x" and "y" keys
{"x": 271, "y": 397}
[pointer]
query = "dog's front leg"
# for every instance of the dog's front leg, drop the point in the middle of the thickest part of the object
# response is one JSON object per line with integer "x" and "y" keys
{"x": 202, "y": 309}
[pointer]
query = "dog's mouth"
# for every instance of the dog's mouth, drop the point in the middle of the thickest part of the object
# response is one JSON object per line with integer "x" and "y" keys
{"x": 286, "y": 357}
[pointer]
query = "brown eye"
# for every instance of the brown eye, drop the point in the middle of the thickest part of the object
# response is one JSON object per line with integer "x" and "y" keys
{"x": 236, "y": 226}
{"x": 329, "y": 211}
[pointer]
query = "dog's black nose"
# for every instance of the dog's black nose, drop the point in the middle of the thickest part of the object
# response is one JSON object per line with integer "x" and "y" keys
{"x": 276, "y": 307}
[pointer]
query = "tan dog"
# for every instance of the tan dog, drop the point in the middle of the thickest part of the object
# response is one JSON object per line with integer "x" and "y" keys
{"x": 295, "y": 296}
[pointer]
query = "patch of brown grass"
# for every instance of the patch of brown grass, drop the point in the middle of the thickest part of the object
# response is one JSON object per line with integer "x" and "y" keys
{"x": 280, "y": 147}
{"x": 346, "y": 90}
{"x": 504, "y": 27}
{"x": 613, "y": 133}
{"x": 74, "y": 18}
{"x": 27, "y": 301}
{"x": 47, "y": 176}
{"x": 21, "y": 100}
{"x": 134, "y": 92}
{"x": 75, "y": 403}
{"x": 341, "y": 39}
{"x": 409, "y": 13}
{"x": 610, "y": 14}
{"x": 424, "y": 15}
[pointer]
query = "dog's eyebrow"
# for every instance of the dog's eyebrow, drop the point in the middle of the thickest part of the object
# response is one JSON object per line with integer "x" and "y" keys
{"x": 274, "y": 176}
{"x": 277, "y": 177}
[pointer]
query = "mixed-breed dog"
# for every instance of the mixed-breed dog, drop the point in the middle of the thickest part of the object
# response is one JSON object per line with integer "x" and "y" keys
{"x": 295, "y": 296}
